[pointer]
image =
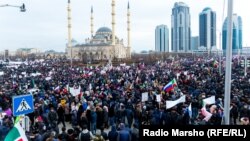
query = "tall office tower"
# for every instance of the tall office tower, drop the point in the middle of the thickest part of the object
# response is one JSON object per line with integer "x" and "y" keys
{"x": 207, "y": 29}
{"x": 237, "y": 35}
{"x": 181, "y": 28}
{"x": 194, "y": 43}
{"x": 161, "y": 38}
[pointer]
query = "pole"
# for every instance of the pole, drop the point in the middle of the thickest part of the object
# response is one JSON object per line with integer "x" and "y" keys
{"x": 220, "y": 56}
{"x": 227, "y": 93}
{"x": 69, "y": 32}
{"x": 245, "y": 72}
{"x": 71, "y": 56}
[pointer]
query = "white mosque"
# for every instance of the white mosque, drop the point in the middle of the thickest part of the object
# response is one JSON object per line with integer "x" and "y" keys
{"x": 103, "y": 45}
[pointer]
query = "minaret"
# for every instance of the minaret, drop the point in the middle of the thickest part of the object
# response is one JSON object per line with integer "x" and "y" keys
{"x": 69, "y": 33}
{"x": 113, "y": 22}
{"x": 92, "y": 22}
{"x": 69, "y": 25}
{"x": 128, "y": 30}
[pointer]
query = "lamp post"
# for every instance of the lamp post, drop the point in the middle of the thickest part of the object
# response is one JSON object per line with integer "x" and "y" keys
{"x": 22, "y": 7}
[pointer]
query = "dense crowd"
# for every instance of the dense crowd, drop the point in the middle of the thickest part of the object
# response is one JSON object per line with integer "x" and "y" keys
{"x": 109, "y": 105}
{"x": 104, "y": 102}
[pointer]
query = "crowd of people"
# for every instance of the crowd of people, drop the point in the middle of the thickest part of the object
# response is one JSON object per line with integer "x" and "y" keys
{"x": 109, "y": 104}
{"x": 102, "y": 104}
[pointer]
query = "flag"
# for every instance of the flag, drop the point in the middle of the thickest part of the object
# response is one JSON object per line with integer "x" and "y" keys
{"x": 17, "y": 119}
{"x": 170, "y": 104}
{"x": 170, "y": 85}
{"x": 16, "y": 134}
{"x": 205, "y": 113}
{"x": 209, "y": 101}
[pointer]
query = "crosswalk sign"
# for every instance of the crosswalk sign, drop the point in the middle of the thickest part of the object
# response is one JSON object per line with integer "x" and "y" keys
{"x": 22, "y": 104}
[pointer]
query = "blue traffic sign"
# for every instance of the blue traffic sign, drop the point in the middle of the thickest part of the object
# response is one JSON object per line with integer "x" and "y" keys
{"x": 22, "y": 104}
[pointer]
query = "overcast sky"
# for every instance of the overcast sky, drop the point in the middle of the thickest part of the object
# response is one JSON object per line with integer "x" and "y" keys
{"x": 44, "y": 24}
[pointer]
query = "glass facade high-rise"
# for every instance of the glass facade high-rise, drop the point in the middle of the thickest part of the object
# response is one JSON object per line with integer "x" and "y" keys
{"x": 237, "y": 35}
{"x": 161, "y": 38}
{"x": 180, "y": 28}
{"x": 194, "y": 43}
{"x": 207, "y": 29}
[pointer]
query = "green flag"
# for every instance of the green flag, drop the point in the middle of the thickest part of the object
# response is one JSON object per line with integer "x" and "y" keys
{"x": 16, "y": 134}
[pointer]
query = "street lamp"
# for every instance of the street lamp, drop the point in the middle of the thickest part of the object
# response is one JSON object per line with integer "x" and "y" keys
{"x": 22, "y": 7}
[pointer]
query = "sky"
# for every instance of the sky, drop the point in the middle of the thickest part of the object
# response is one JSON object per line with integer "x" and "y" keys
{"x": 44, "y": 24}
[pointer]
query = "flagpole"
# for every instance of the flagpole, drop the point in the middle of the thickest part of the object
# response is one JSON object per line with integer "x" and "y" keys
{"x": 227, "y": 93}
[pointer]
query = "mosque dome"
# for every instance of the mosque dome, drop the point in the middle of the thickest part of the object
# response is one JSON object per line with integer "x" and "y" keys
{"x": 103, "y": 33}
{"x": 104, "y": 30}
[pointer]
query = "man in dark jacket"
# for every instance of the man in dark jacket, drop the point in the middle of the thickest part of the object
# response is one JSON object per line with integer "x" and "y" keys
{"x": 52, "y": 117}
{"x": 61, "y": 114}
{"x": 104, "y": 134}
{"x": 113, "y": 134}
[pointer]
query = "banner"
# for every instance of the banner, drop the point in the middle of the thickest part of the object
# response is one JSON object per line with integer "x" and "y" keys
{"x": 75, "y": 92}
{"x": 144, "y": 97}
{"x": 1, "y": 73}
{"x": 48, "y": 78}
{"x": 158, "y": 98}
{"x": 209, "y": 101}
{"x": 170, "y": 104}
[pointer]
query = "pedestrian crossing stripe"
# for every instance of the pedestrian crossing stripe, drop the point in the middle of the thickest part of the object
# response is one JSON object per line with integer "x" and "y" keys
{"x": 23, "y": 106}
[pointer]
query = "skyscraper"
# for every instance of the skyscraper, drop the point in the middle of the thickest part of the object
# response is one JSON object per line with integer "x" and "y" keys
{"x": 195, "y": 43}
{"x": 237, "y": 34}
{"x": 180, "y": 30}
{"x": 207, "y": 26}
{"x": 161, "y": 38}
